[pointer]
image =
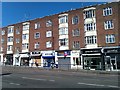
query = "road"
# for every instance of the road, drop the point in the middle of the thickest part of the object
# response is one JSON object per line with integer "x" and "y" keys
{"x": 26, "y": 77}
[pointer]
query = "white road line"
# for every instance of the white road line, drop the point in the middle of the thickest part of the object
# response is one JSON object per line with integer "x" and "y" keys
{"x": 52, "y": 80}
{"x": 14, "y": 83}
{"x": 35, "y": 79}
{"x": 98, "y": 85}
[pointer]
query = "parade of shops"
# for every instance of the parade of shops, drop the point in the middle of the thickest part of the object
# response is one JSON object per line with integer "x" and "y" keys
{"x": 85, "y": 38}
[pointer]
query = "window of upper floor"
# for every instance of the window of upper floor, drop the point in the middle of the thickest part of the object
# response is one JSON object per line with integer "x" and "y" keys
{"x": 3, "y": 32}
{"x": 17, "y": 30}
{"x": 76, "y": 32}
{"x": 26, "y": 27}
{"x": 48, "y": 23}
{"x": 17, "y": 40}
{"x": 107, "y": 11}
{"x": 37, "y": 45}
{"x": 63, "y": 19}
{"x": 48, "y": 44}
{"x": 37, "y": 25}
{"x": 10, "y": 39}
{"x": 110, "y": 38}
{"x": 9, "y": 48}
{"x": 63, "y": 31}
{"x": 10, "y": 30}
{"x": 108, "y": 24}
{"x": 25, "y": 36}
{"x": 75, "y": 20}
{"x": 90, "y": 39}
{"x": 49, "y": 34}
{"x": 63, "y": 42}
{"x": 76, "y": 44}
{"x": 89, "y": 14}
{"x": 36, "y": 35}
{"x": 90, "y": 26}
{"x": 25, "y": 46}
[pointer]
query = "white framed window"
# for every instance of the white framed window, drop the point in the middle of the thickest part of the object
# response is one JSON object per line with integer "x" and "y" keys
{"x": 63, "y": 42}
{"x": 48, "y": 44}
{"x": 63, "y": 31}
{"x": 89, "y": 14}
{"x": 49, "y": 34}
{"x": 26, "y": 27}
{"x": 76, "y": 44}
{"x": 9, "y": 48}
{"x": 90, "y": 40}
{"x": 37, "y": 45}
{"x": 2, "y": 40}
{"x": 3, "y": 32}
{"x": 76, "y": 61}
{"x": 76, "y": 32}
{"x": 90, "y": 27}
{"x": 110, "y": 38}
{"x": 107, "y": 11}
{"x": 37, "y": 35}
{"x": 17, "y": 40}
{"x": 10, "y": 30}
{"x": 37, "y": 25}
{"x": 17, "y": 30}
{"x": 63, "y": 19}
{"x": 25, "y": 36}
{"x": 10, "y": 39}
{"x": 48, "y": 23}
{"x": 17, "y": 49}
{"x": 25, "y": 46}
{"x": 108, "y": 24}
{"x": 75, "y": 20}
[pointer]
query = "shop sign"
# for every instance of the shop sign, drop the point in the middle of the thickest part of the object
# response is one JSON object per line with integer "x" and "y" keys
{"x": 111, "y": 51}
{"x": 63, "y": 53}
{"x": 91, "y": 51}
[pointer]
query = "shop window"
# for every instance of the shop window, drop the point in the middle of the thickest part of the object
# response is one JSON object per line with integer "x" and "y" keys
{"x": 76, "y": 61}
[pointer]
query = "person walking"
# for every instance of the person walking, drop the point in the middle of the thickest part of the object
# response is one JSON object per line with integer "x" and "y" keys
{"x": 36, "y": 63}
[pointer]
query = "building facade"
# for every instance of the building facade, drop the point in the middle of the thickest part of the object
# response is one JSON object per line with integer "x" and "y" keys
{"x": 85, "y": 38}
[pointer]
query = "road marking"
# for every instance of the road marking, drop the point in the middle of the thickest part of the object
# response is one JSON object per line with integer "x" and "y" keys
{"x": 35, "y": 79}
{"x": 99, "y": 85}
{"x": 14, "y": 83}
{"x": 52, "y": 80}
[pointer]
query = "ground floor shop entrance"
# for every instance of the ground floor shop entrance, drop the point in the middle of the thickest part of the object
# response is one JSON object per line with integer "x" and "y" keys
{"x": 92, "y": 63}
{"x": 104, "y": 58}
{"x": 9, "y": 59}
{"x": 112, "y": 63}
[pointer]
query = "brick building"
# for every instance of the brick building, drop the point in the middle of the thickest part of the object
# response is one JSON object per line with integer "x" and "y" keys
{"x": 84, "y": 38}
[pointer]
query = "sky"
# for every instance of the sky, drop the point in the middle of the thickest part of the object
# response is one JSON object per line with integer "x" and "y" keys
{"x": 14, "y": 12}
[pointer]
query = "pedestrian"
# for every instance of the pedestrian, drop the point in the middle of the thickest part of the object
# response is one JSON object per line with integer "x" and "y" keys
{"x": 36, "y": 63}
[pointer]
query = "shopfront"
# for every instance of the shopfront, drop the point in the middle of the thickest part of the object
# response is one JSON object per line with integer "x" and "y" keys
{"x": 35, "y": 56}
{"x": 48, "y": 58}
{"x": 64, "y": 59}
{"x": 1, "y": 59}
{"x": 104, "y": 58}
{"x": 112, "y": 58}
{"x": 21, "y": 59}
{"x": 9, "y": 59}
{"x": 92, "y": 59}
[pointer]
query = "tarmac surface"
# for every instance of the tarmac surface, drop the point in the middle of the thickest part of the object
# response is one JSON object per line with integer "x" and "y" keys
{"x": 26, "y": 77}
